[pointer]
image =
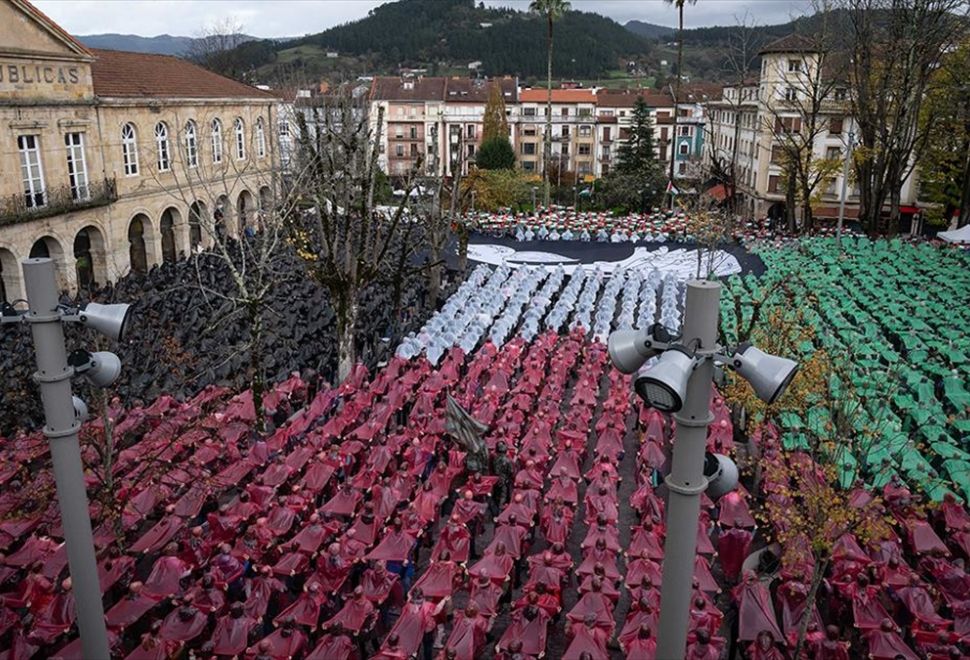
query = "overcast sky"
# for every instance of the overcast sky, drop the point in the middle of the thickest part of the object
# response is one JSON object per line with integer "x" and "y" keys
{"x": 286, "y": 18}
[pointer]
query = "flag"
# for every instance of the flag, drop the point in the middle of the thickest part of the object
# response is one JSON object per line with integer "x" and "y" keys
{"x": 670, "y": 188}
{"x": 467, "y": 431}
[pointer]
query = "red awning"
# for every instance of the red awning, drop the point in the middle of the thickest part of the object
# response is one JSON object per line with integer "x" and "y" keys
{"x": 909, "y": 209}
{"x": 718, "y": 192}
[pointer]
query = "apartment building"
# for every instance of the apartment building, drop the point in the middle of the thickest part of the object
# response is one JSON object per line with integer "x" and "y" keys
{"x": 111, "y": 159}
{"x": 749, "y": 123}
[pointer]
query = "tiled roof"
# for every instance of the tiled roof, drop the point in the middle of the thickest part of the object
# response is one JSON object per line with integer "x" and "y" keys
{"x": 539, "y": 95}
{"x": 119, "y": 73}
{"x": 793, "y": 43}
{"x": 468, "y": 90}
{"x": 392, "y": 88}
{"x": 627, "y": 99}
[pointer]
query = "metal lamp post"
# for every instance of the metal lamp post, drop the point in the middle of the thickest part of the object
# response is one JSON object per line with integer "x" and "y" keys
{"x": 686, "y": 481}
{"x": 845, "y": 185}
{"x": 45, "y": 315}
{"x": 680, "y": 382}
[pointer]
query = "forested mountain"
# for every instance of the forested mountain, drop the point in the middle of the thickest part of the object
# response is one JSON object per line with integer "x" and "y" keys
{"x": 650, "y": 30}
{"x": 445, "y": 35}
{"x": 163, "y": 44}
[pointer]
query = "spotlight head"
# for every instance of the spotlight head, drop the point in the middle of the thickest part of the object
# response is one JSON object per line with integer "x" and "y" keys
{"x": 721, "y": 473}
{"x": 629, "y": 349}
{"x": 80, "y": 409}
{"x": 768, "y": 374}
{"x": 664, "y": 385}
{"x": 109, "y": 320}
{"x": 101, "y": 368}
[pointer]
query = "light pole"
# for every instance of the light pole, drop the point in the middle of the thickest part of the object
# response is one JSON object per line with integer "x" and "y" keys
{"x": 845, "y": 185}
{"x": 680, "y": 382}
{"x": 535, "y": 209}
{"x": 63, "y": 418}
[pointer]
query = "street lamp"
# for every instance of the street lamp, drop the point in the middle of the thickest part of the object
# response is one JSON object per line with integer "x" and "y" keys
{"x": 64, "y": 413}
{"x": 680, "y": 382}
{"x": 845, "y": 184}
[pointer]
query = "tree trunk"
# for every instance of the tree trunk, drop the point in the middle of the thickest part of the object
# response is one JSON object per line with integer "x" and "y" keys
{"x": 434, "y": 277}
{"x": 462, "y": 249}
{"x": 964, "y": 217}
{"x": 895, "y": 199}
{"x": 256, "y": 383}
{"x": 818, "y": 573}
{"x": 680, "y": 64}
{"x": 347, "y": 311}
{"x": 547, "y": 143}
{"x": 807, "y": 216}
{"x": 790, "y": 199}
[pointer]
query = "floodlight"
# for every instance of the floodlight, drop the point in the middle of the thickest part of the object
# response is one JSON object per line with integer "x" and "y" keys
{"x": 101, "y": 368}
{"x": 629, "y": 349}
{"x": 109, "y": 320}
{"x": 80, "y": 409}
{"x": 664, "y": 385}
{"x": 721, "y": 473}
{"x": 768, "y": 374}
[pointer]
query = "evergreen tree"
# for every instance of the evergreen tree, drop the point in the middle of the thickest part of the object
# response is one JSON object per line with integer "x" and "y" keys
{"x": 636, "y": 155}
{"x": 496, "y": 122}
{"x": 496, "y": 153}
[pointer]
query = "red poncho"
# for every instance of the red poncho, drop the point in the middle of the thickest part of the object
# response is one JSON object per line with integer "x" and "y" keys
{"x": 733, "y": 547}
{"x": 395, "y": 546}
{"x": 128, "y": 611}
{"x": 164, "y": 579}
{"x": 377, "y": 584}
{"x": 259, "y": 592}
{"x": 231, "y": 635}
{"x": 354, "y": 615}
{"x": 587, "y": 640}
{"x": 416, "y": 619}
{"x": 334, "y": 647}
{"x": 734, "y": 511}
{"x": 756, "y": 612}
{"x": 496, "y": 567}
{"x": 887, "y": 645}
{"x": 456, "y": 540}
{"x": 305, "y": 610}
{"x": 467, "y": 636}
{"x": 532, "y": 634}
{"x": 177, "y": 628}
{"x": 438, "y": 581}
{"x": 285, "y": 643}
{"x": 597, "y": 605}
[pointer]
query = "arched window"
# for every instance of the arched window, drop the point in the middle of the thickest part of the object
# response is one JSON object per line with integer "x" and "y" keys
{"x": 191, "y": 144}
{"x": 240, "y": 130}
{"x": 161, "y": 144}
{"x": 260, "y": 138}
{"x": 216, "y": 141}
{"x": 129, "y": 149}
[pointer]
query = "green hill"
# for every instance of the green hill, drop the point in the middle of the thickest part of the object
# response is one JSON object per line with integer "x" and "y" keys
{"x": 444, "y": 36}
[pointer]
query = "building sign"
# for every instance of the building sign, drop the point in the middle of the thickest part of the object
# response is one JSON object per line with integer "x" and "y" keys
{"x": 33, "y": 74}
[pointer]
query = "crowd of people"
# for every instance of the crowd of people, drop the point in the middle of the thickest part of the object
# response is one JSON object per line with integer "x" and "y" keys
{"x": 567, "y": 224}
{"x": 184, "y": 334}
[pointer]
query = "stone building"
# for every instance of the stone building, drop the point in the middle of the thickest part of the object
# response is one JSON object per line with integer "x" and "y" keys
{"x": 112, "y": 162}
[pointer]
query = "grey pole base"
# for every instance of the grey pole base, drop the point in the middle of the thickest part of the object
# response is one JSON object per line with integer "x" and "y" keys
{"x": 54, "y": 378}
{"x": 686, "y": 480}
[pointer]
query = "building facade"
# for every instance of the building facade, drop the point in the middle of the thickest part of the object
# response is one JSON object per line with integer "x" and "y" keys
{"x": 751, "y": 122}
{"x": 588, "y": 125}
{"x": 113, "y": 162}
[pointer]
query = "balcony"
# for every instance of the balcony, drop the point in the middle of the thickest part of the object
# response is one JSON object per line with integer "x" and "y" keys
{"x": 14, "y": 209}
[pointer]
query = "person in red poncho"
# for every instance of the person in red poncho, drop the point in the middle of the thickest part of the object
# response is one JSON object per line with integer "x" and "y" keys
{"x": 885, "y": 643}
{"x": 529, "y": 627}
{"x": 231, "y": 635}
{"x": 416, "y": 625}
{"x": 305, "y": 610}
{"x": 832, "y": 648}
{"x": 588, "y": 641}
{"x": 183, "y": 624}
{"x": 703, "y": 647}
{"x": 764, "y": 648}
{"x": 455, "y": 539}
{"x": 287, "y": 641}
{"x": 468, "y": 635}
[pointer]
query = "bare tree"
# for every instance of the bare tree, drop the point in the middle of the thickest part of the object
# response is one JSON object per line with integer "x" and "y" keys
{"x": 346, "y": 241}
{"x": 896, "y": 47}
{"x": 248, "y": 241}
{"x": 802, "y": 109}
{"x": 741, "y": 53}
{"x": 214, "y": 47}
